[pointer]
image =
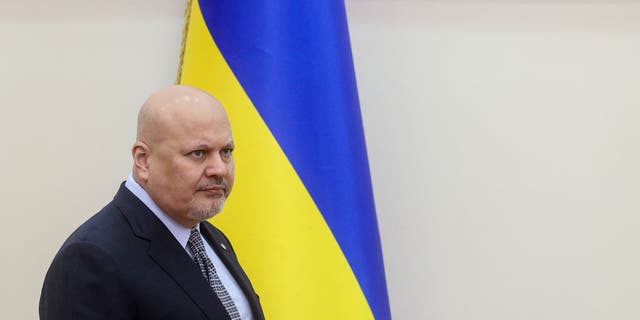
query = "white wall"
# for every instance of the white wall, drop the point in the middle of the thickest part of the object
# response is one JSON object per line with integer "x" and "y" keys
{"x": 502, "y": 139}
{"x": 504, "y": 144}
{"x": 72, "y": 76}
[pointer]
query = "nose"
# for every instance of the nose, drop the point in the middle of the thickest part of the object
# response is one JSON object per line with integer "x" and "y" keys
{"x": 216, "y": 166}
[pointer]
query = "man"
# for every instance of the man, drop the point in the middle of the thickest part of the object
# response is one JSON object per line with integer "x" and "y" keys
{"x": 150, "y": 253}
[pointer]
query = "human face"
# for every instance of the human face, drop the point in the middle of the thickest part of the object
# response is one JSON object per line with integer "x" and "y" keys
{"x": 190, "y": 168}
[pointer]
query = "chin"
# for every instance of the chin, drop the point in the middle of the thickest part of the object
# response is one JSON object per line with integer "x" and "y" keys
{"x": 202, "y": 213}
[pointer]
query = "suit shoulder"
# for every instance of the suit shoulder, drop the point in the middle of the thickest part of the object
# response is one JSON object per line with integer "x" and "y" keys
{"x": 103, "y": 228}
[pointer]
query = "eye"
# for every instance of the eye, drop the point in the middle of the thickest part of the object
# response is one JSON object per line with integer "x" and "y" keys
{"x": 226, "y": 152}
{"x": 197, "y": 154}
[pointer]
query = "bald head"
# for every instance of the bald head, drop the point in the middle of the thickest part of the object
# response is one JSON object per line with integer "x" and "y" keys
{"x": 171, "y": 105}
{"x": 183, "y": 153}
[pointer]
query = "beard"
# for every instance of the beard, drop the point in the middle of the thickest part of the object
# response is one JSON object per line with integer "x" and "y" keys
{"x": 200, "y": 212}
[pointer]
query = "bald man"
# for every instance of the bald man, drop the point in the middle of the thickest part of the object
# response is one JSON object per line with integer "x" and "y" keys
{"x": 150, "y": 253}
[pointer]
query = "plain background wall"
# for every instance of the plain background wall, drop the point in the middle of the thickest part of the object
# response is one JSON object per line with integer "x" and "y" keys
{"x": 502, "y": 136}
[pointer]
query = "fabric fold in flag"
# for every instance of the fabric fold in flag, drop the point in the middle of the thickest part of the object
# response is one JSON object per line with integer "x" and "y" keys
{"x": 301, "y": 216}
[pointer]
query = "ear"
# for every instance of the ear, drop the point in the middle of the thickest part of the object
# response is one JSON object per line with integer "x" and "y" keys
{"x": 141, "y": 153}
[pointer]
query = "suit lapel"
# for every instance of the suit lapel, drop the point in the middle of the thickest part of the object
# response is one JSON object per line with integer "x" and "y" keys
{"x": 168, "y": 254}
{"x": 166, "y": 251}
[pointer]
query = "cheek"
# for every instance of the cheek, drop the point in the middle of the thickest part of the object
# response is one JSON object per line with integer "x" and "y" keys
{"x": 189, "y": 179}
{"x": 195, "y": 176}
{"x": 230, "y": 175}
{"x": 181, "y": 179}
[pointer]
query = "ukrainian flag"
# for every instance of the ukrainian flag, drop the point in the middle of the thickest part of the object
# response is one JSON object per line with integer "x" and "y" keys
{"x": 301, "y": 215}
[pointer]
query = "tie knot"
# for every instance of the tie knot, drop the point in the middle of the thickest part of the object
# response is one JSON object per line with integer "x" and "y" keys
{"x": 195, "y": 241}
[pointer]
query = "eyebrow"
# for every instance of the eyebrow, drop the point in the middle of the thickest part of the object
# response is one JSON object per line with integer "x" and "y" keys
{"x": 206, "y": 146}
{"x": 199, "y": 145}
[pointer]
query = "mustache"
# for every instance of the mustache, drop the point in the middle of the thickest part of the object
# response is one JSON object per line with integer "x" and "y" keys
{"x": 214, "y": 184}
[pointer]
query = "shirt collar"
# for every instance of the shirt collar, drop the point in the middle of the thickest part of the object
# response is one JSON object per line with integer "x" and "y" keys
{"x": 180, "y": 232}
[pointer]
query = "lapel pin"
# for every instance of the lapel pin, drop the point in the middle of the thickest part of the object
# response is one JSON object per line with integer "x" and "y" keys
{"x": 223, "y": 246}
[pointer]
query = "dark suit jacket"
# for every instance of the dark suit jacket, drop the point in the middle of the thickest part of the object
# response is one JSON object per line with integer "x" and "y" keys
{"x": 123, "y": 263}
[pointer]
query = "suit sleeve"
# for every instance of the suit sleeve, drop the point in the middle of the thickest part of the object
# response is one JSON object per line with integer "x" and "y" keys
{"x": 83, "y": 283}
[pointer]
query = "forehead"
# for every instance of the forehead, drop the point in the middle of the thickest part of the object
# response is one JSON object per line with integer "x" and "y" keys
{"x": 204, "y": 129}
{"x": 197, "y": 124}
